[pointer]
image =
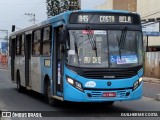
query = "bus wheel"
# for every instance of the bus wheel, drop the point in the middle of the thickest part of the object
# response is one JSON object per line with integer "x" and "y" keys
{"x": 52, "y": 101}
{"x": 19, "y": 87}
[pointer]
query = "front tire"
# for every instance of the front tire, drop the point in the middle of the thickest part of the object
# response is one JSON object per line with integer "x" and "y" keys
{"x": 52, "y": 101}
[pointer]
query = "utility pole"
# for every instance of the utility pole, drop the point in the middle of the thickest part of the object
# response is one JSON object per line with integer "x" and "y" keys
{"x": 32, "y": 16}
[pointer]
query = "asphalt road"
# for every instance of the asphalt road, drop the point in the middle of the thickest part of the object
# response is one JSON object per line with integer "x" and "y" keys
{"x": 151, "y": 89}
{"x": 11, "y": 100}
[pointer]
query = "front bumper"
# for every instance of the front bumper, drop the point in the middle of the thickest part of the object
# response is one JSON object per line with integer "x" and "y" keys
{"x": 73, "y": 94}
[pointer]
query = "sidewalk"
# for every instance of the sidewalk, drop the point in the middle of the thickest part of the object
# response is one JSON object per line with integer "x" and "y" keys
{"x": 151, "y": 80}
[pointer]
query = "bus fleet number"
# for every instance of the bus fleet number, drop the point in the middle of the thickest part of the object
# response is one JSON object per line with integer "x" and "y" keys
{"x": 83, "y": 18}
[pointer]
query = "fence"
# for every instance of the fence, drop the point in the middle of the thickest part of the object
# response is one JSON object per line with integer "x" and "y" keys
{"x": 152, "y": 64}
{"x": 3, "y": 62}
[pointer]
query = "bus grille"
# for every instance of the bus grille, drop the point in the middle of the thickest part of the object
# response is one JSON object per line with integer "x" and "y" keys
{"x": 109, "y": 74}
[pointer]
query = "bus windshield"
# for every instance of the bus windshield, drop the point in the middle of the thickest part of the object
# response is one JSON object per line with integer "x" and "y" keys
{"x": 104, "y": 48}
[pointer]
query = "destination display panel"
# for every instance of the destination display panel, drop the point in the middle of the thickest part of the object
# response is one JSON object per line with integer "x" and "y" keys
{"x": 104, "y": 18}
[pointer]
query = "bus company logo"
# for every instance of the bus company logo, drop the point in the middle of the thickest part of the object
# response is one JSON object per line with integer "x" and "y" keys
{"x": 109, "y": 83}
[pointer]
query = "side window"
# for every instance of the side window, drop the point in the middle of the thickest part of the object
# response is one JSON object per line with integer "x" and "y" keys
{"x": 18, "y": 45}
{"x": 46, "y": 41}
{"x": 36, "y": 43}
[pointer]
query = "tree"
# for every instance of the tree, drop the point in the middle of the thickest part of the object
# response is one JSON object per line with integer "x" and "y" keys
{"x": 65, "y": 5}
{"x": 74, "y": 5}
{"x": 54, "y": 7}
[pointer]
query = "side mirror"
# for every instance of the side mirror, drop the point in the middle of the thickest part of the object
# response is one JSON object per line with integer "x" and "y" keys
{"x": 63, "y": 36}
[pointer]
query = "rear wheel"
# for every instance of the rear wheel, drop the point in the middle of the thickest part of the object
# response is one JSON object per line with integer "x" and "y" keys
{"x": 19, "y": 87}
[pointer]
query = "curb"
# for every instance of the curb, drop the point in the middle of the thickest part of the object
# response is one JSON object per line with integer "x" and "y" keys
{"x": 157, "y": 97}
{"x": 151, "y": 80}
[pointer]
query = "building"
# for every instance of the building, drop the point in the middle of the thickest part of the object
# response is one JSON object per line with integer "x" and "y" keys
{"x": 79, "y": 3}
{"x": 129, "y": 5}
{"x": 150, "y": 11}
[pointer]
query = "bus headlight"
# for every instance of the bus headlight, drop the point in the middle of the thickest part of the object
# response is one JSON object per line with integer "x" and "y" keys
{"x": 140, "y": 80}
{"x": 137, "y": 83}
{"x": 75, "y": 84}
{"x": 70, "y": 81}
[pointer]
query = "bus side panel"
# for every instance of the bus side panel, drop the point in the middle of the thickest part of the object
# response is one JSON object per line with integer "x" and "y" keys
{"x": 20, "y": 65}
{"x": 46, "y": 69}
{"x": 21, "y": 68}
{"x": 16, "y": 67}
{"x": 35, "y": 73}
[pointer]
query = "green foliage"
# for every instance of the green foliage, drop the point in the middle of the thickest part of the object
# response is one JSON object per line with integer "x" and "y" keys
{"x": 55, "y": 7}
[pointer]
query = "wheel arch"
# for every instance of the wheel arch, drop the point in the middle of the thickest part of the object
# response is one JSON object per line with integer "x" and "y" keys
{"x": 46, "y": 81}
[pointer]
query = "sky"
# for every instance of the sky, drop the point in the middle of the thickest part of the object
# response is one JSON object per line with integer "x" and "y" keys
{"x": 12, "y": 12}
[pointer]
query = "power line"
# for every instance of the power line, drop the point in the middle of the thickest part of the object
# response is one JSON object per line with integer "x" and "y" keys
{"x": 151, "y": 14}
{"x": 148, "y": 9}
{"x": 32, "y": 16}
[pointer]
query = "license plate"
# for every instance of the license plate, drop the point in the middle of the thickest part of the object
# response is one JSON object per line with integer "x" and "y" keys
{"x": 109, "y": 94}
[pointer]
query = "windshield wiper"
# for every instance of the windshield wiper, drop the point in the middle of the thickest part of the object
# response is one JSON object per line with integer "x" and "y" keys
{"x": 76, "y": 47}
{"x": 91, "y": 39}
{"x": 123, "y": 38}
{"x": 121, "y": 41}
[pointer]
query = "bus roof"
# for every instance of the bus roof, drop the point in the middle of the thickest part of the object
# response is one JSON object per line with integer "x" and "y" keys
{"x": 61, "y": 17}
{"x": 111, "y": 11}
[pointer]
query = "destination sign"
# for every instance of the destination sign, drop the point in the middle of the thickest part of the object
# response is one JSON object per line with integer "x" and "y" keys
{"x": 105, "y": 18}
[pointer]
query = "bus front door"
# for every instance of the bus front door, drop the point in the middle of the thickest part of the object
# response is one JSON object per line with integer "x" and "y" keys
{"x": 27, "y": 60}
{"x": 57, "y": 65}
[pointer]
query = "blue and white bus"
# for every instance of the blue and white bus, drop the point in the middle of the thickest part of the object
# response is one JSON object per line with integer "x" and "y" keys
{"x": 80, "y": 56}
